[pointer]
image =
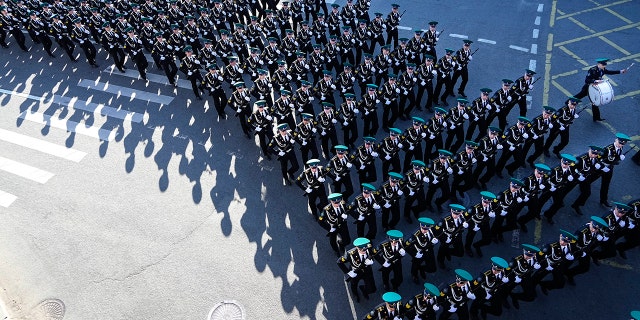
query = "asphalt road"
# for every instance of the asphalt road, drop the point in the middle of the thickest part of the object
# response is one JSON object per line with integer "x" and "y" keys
{"x": 134, "y": 202}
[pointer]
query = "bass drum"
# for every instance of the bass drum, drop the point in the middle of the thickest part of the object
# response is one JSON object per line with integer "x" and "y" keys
{"x": 601, "y": 93}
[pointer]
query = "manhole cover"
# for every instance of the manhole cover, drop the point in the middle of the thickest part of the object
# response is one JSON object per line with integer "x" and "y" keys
{"x": 52, "y": 309}
{"x": 227, "y": 310}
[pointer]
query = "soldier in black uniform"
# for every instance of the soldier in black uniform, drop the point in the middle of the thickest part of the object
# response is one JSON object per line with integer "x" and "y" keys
{"x": 390, "y": 254}
{"x": 389, "y": 149}
{"x": 347, "y": 42}
{"x": 400, "y": 55}
{"x": 457, "y": 116}
{"x": 327, "y": 120}
{"x": 191, "y": 67}
{"x": 539, "y": 127}
{"x": 594, "y": 76}
{"x": 366, "y": 155}
{"x": 330, "y": 54}
{"x": 478, "y": 218}
{"x": 164, "y": 54}
{"x": 368, "y": 106}
{"x": 535, "y": 188}
{"x": 311, "y": 180}
{"x": 500, "y": 104}
{"x": 391, "y": 192}
{"x": 416, "y": 47}
{"x": 382, "y": 62}
{"x": 333, "y": 20}
{"x": 361, "y": 35}
{"x": 393, "y": 20}
{"x": 524, "y": 268}
{"x": 262, "y": 123}
{"x": 232, "y": 72}
{"x": 302, "y": 98}
{"x": 357, "y": 265}
{"x": 631, "y": 236}
{"x": 239, "y": 101}
{"x": 564, "y": 120}
{"x": 463, "y": 170}
{"x": 133, "y": 47}
{"x": 389, "y": 93}
{"x": 339, "y": 168}
{"x": 364, "y": 211}
{"x": 299, "y": 67}
{"x": 489, "y": 146}
{"x": 589, "y": 169}
{"x": 426, "y": 73}
{"x": 441, "y": 168}
{"x": 316, "y": 61}
{"x": 281, "y": 78}
{"x": 619, "y": 225}
{"x": 415, "y": 178}
{"x": 365, "y": 72}
{"x": 324, "y": 88}
{"x": 611, "y": 157}
{"x": 111, "y": 41}
{"x": 458, "y": 294}
{"x": 521, "y": 88}
{"x": 348, "y": 112}
{"x": 253, "y": 63}
{"x": 413, "y": 136}
{"x": 283, "y": 109}
{"x": 40, "y": 29}
{"x": 406, "y": 83}
{"x": 61, "y": 35}
{"x": 289, "y": 47}
{"x": 425, "y": 305}
{"x": 514, "y": 139}
{"x": 10, "y": 24}
{"x": 81, "y": 34}
{"x": 271, "y": 54}
{"x": 562, "y": 178}
{"x": 391, "y": 308}
{"x": 511, "y": 202}
{"x": 589, "y": 237}
{"x": 445, "y": 66}
{"x": 431, "y": 38}
{"x": 213, "y": 81}
{"x": 421, "y": 248}
{"x": 282, "y": 145}
{"x": 434, "y": 128}
{"x": 346, "y": 80}
{"x": 495, "y": 284}
{"x": 376, "y": 27}
{"x": 334, "y": 216}
{"x": 262, "y": 88}
{"x": 453, "y": 226}
{"x": 478, "y": 114}
{"x": 559, "y": 256}
{"x": 463, "y": 57}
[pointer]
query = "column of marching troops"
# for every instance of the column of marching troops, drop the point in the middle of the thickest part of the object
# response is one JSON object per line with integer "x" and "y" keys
{"x": 280, "y": 53}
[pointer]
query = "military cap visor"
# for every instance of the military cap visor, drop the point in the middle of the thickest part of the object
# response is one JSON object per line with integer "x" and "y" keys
{"x": 426, "y": 221}
{"x": 621, "y": 206}
{"x": 368, "y": 187}
{"x": 463, "y": 275}
{"x": 530, "y": 249}
{"x": 542, "y": 167}
{"x": 444, "y": 153}
{"x": 417, "y": 120}
{"x": 395, "y": 175}
{"x": 313, "y": 162}
{"x": 485, "y": 90}
{"x": 567, "y": 236}
{"x": 283, "y": 127}
{"x": 431, "y": 289}
{"x": 440, "y": 110}
{"x": 487, "y": 195}
{"x": 418, "y": 163}
{"x": 395, "y": 234}
{"x": 599, "y": 222}
{"x": 361, "y": 242}
{"x": 499, "y": 262}
{"x": 457, "y": 207}
{"x": 602, "y": 61}
{"x": 391, "y": 297}
{"x": 335, "y": 197}
{"x": 622, "y": 137}
{"x": 395, "y": 131}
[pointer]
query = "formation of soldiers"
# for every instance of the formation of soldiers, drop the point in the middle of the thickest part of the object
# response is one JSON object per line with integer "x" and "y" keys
{"x": 294, "y": 83}
{"x": 504, "y": 283}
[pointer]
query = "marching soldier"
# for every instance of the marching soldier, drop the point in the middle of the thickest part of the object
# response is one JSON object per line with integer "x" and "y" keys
{"x": 327, "y": 120}
{"x": 563, "y": 179}
{"x": 424, "y": 305}
{"x": 478, "y": 219}
{"x": 452, "y": 227}
{"x": 316, "y": 61}
{"x": 213, "y": 81}
{"x": 335, "y": 215}
{"x": 232, "y": 71}
{"x": 239, "y": 41}
{"x": 224, "y": 47}
{"x": 619, "y": 224}
{"x": 494, "y": 282}
{"x": 511, "y": 202}
{"x": 524, "y": 268}
{"x": 61, "y": 35}
{"x": 311, "y": 180}
{"x": 391, "y": 308}
{"x": 319, "y": 29}
{"x": 330, "y": 53}
{"x": 369, "y": 107}
{"x": 535, "y": 188}
{"x": 390, "y": 148}
{"x": 589, "y": 170}
{"x": 456, "y": 119}
{"x": 348, "y": 112}
{"x": 400, "y": 55}
{"x": 445, "y": 66}
{"x": 304, "y": 37}
{"x": 382, "y": 62}
{"x": 81, "y": 35}
{"x": 361, "y": 35}
{"x": 251, "y": 64}
{"x": 458, "y": 294}
{"x": 262, "y": 123}
{"x": 302, "y": 98}
{"x": 365, "y": 207}
{"x": 122, "y": 25}
{"x": 565, "y": 118}
{"x": 339, "y": 168}
{"x": 588, "y": 238}
{"x": 413, "y": 141}
{"x": 289, "y": 46}
{"x": 431, "y": 38}
{"x": 111, "y": 43}
{"x": 365, "y": 71}
{"x": 207, "y": 25}
{"x": 612, "y": 155}
{"x": 376, "y": 27}
{"x": 501, "y": 104}
{"x": 594, "y": 76}
{"x": 190, "y": 66}
{"x": 489, "y": 146}
{"x": 421, "y": 249}
{"x": 177, "y": 41}
{"x": 631, "y": 236}
{"x": 333, "y": 20}
{"x": 515, "y": 138}
{"x": 282, "y": 145}
{"x": 346, "y": 79}
{"x": 239, "y": 100}
{"x": 148, "y": 36}
{"x": 163, "y": 52}
{"x": 271, "y": 54}
{"x": 441, "y": 168}
{"x": 426, "y": 73}
{"x": 391, "y": 192}
{"x": 406, "y": 82}
{"x": 305, "y": 131}
{"x": 539, "y": 127}
{"x": 347, "y": 42}
{"x": 521, "y": 88}
{"x": 559, "y": 255}
{"x": 10, "y": 24}
{"x": 283, "y": 110}
{"x": 357, "y": 265}
{"x": 366, "y": 155}
{"x": 434, "y": 128}
{"x": 254, "y": 33}
{"x": 324, "y": 88}
{"x": 393, "y": 20}
{"x": 281, "y": 78}
{"x": 414, "y": 181}
{"x": 39, "y": 28}
{"x": 416, "y": 46}
{"x": 133, "y": 46}
{"x": 299, "y": 67}
{"x": 463, "y": 57}
{"x": 464, "y": 162}
{"x": 478, "y": 114}
{"x": 262, "y": 88}
{"x": 390, "y": 254}
{"x": 389, "y": 93}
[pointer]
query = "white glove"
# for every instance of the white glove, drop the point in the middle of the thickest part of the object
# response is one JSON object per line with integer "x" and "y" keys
{"x": 452, "y": 309}
{"x": 525, "y": 135}
{"x": 550, "y": 125}
{"x": 247, "y": 98}
{"x": 452, "y": 126}
{"x": 349, "y": 165}
{"x": 484, "y": 158}
{"x": 489, "y": 107}
{"x": 387, "y": 157}
{"x": 400, "y": 145}
{"x": 400, "y": 192}
{"x": 387, "y": 205}
{"x": 332, "y": 229}
{"x": 337, "y": 178}
{"x": 492, "y": 214}
{"x": 414, "y": 79}
{"x": 289, "y": 77}
{"x": 352, "y": 274}
{"x": 459, "y": 68}
{"x": 376, "y": 206}
{"x": 470, "y": 57}
{"x": 425, "y": 179}
{"x": 570, "y": 178}
{"x": 307, "y": 190}
{"x": 471, "y": 296}
{"x": 503, "y": 213}
{"x": 474, "y": 160}
{"x": 435, "y": 241}
{"x": 569, "y": 257}
{"x": 304, "y": 142}
{"x": 344, "y": 216}
{"x": 422, "y": 83}
{"x": 345, "y": 123}
{"x": 631, "y": 225}
{"x": 499, "y": 147}
{"x": 423, "y": 134}
{"x": 81, "y": 41}
{"x": 450, "y": 170}
{"x": 622, "y": 157}
{"x": 622, "y": 223}
{"x": 258, "y": 129}
{"x": 405, "y": 92}
{"x": 511, "y": 148}
{"x": 519, "y": 199}
{"x": 562, "y": 128}
{"x": 536, "y": 266}
{"x": 517, "y": 279}
{"x": 433, "y": 72}
{"x": 535, "y": 136}
{"x": 402, "y": 252}
{"x": 599, "y": 237}
{"x": 509, "y": 98}
{"x": 374, "y": 154}
{"x": 465, "y": 225}
{"x": 476, "y": 228}
{"x": 387, "y": 102}
{"x": 606, "y": 169}
{"x": 397, "y": 90}
{"x": 488, "y": 296}
{"x": 466, "y": 116}
{"x": 386, "y": 264}
{"x": 436, "y": 181}
{"x": 368, "y": 262}
{"x": 505, "y": 279}
{"x": 526, "y": 198}
{"x": 361, "y": 166}
{"x": 411, "y": 192}
{"x": 419, "y": 255}
{"x": 238, "y": 110}
{"x": 411, "y": 147}
{"x": 334, "y": 120}
{"x": 321, "y": 179}
{"x": 460, "y": 172}
{"x": 356, "y": 111}
{"x": 553, "y": 188}
{"x": 576, "y": 116}
{"x": 584, "y": 254}
{"x": 549, "y": 268}
{"x": 448, "y": 240}
{"x": 189, "y": 73}
{"x": 542, "y": 187}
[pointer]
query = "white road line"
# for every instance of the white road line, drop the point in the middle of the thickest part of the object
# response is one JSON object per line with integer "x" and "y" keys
{"x": 532, "y": 65}
{"x": 455, "y": 35}
{"x": 25, "y": 171}
{"x": 404, "y": 28}
{"x": 486, "y": 41}
{"x": 127, "y": 92}
{"x": 536, "y": 32}
{"x": 156, "y": 78}
{"x": 330, "y": 1}
{"x": 6, "y": 199}
{"x": 540, "y": 7}
{"x": 534, "y": 48}
{"x": 519, "y": 48}
{"x": 75, "y": 103}
{"x": 42, "y": 146}
{"x": 529, "y": 100}
{"x": 68, "y": 125}
{"x": 537, "y": 21}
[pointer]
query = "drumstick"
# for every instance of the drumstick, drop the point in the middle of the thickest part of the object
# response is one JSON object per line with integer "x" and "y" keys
{"x": 629, "y": 67}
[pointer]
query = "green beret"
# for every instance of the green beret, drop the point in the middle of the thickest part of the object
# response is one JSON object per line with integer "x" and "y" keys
{"x": 395, "y": 175}
{"x": 448, "y": 51}
{"x": 621, "y": 206}
{"x": 335, "y": 197}
{"x": 368, "y": 187}
{"x": 567, "y": 158}
{"x": 417, "y": 120}
{"x": 567, "y": 236}
{"x": 361, "y": 242}
{"x": 307, "y": 116}
{"x": 440, "y": 110}
{"x": 548, "y": 109}
{"x": 457, "y": 207}
{"x": 463, "y": 275}
{"x": 418, "y": 163}
{"x": 516, "y": 182}
{"x": 285, "y": 92}
{"x": 327, "y": 105}
{"x": 391, "y": 297}
{"x": 369, "y": 139}
{"x": 523, "y": 120}
{"x": 445, "y": 153}
{"x": 395, "y": 234}
{"x": 542, "y": 167}
{"x": 426, "y": 221}
{"x": 499, "y": 262}
{"x": 599, "y": 221}
{"x": 261, "y": 103}
{"x": 431, "y": 289}
{"x": 622, "y": 137}
{"x": 340, "y": 148}
{"x": 495, "y": 130}
{"x": 530, "y": 249}
{"x": 462, "y": 100}
{"x": 188, "y": 48}
{"x": 283, "y": 127}
{"x": 349, "y": 96}
{"x": 471, "y": 144}
{"x": 395, "y": 131}
{"x": 486, "y": 90}
{"x": 488, "y": 195}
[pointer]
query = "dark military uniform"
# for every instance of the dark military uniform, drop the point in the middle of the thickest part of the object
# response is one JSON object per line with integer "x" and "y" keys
{"x": 426, "y": 73}
{"x": 191, "y": 67}
{"x": 369, "y": 107}
{"x": 164, "y": 54}
{"x": 283, "y": 108}
{"x": 451, "y": 238}
{"x": 282, "y": 145}
{"x": 441, "y": 168}
{"x": 302, "y": 99}
{"x": 487, "y": 150}
{"x": 406, "y": 83}
{"x": 390, "y": 255}
{"x": 40, "y": 29}
{"x": 457, "y": 116}
{"x": 364, "y": 211}
{"x": 133, "y": 46}
{"x": 421, "y": 248}
{"x": 562, "y": 123}
{"x": 514, "y": 139}
{"x": 348, "y": 112}
{"x": 391, "y": 195}
{"x": 366, "y": 155}
{"x": 111, "y": 43}
{"x": 213, "y": 81}
{"x": 535, "y": 187}
{"x": 589, "y": 169}
{"x": 501, "y": 104}
{"x": 240, "y": 102}
{"x": 521, "y": 88}
{"x": 413, "y": 143}
{"x": 434, "y": 129}
{"x": 393, "y": 20}
{"x": 10, "y": 24}
{"x": 390, "y": 148}
{"x": 335, "y": 219}
{"x": 357, "y": 265}
{"x": 389, "y": 94}
{"x": 463, "y": 57}
{"x": 61, "y": 35}
{"x": 524, "y": 268}
{"x": 445, "y": 66}
{"x": 539, "y": 127}
{"x": 593, "y": 75}
{"x": 312, "y": 182}
{"x": 457, "y": 298}
{"x": 326, "y": 123}
{"x": 81, "y": 35}
{"x": 415, "y": 178}
{"x": 339, "y": 170}
{"x": 479, "y": 219}
{"x": 262, "y": 123}
{"x": 563, "y": 179}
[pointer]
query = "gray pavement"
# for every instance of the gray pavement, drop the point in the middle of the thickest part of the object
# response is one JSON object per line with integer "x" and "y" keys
{"x": 138, "y": 204}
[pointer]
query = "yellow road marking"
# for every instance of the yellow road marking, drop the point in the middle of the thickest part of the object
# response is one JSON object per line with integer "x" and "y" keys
{"x": 582, "y": 25}
{"x": 628, "y": 94}
{"x": 593, "y": 9}
{"x": 617, "y": 15}
{"x": 564, "y": 74}
{"x": 547, "y": 70}
{"x": 552, "y": 17}
{"x": 616, "y": 265}
{"x": 629, "y": 26}
{"x": 561, "y": 88}
{"x": 573, "y": 55}
{"x": 537, "y": 234}
{"x": 634, "y": 57}
{"x": 617, "y": 47}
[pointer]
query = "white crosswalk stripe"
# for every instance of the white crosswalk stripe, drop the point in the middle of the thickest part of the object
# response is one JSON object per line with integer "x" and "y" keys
{"x": 6, "y": 199}
{"x": 68, "y": 125}
{"x": 152, "y": 77}
{"x": 24, "y": 170}
{"x": 42, "y": 146}
{"x": 127, "y": 92}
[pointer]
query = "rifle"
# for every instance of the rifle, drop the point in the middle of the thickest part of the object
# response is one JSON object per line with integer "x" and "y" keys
{"x": 403, "y": 12}
{"x": 585, "y": 107}
{"x": 536, "y": 80}
{"x": 474, "y": 51}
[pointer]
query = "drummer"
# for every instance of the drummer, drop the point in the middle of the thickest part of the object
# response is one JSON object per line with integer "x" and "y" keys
{"x": 594, "y": 76}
